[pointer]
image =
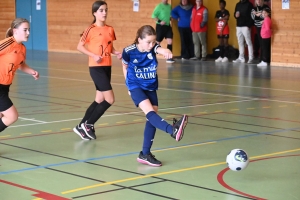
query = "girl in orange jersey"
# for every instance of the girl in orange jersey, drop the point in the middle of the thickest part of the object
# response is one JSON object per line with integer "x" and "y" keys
{"x": 12, "y": 57}
{"x": 97, "y": 42}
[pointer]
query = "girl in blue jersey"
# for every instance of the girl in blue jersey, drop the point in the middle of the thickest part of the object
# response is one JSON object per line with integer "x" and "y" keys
{"x": 139, "y": 67}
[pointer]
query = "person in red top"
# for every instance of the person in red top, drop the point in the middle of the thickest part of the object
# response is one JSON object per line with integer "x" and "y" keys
{"x": 222, "y": 28}
{"x": 97, "y": 42}
{"x": 12, "y": 57}
{"x": 199, "y": 20}
{"x": 266, "y": 33}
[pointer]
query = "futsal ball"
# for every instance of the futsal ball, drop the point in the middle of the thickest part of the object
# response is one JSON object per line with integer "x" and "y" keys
{"x": 237, "y": 160}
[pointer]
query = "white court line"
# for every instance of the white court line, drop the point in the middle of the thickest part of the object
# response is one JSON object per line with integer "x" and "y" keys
{"x": 27, "y": 119}
{"x": 195, "y": 92}
{"x": 197, "y": 82}
{"x": 129, "y": 113}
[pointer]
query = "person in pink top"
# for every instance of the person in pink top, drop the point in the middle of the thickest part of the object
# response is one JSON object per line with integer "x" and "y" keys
{"x": 266, "y": 33}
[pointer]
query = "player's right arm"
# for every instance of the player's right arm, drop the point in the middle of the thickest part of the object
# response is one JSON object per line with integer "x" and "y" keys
{"x": 81, "y": 47}
{"x": 125, "y": 62}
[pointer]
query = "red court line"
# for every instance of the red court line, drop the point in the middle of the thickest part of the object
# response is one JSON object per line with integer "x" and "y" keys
{"x": 40, "y": 194}
{"x": 285, "y": 120}
{"x": 224, "y": 184}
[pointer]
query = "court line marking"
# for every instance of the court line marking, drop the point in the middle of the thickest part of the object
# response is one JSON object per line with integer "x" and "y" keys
{"x": 28, "y": 119}
{"x": 169, "y": 172}
{"x": 180, "y": 147}
{"x": 129, "y": 113}
{"x": 195, "y": 92}
{"x": 131, "y": 153}
{"x": 183, "y": 81}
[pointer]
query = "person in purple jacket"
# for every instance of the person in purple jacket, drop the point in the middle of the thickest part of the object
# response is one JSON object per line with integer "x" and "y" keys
{"x": 182, "y": 13}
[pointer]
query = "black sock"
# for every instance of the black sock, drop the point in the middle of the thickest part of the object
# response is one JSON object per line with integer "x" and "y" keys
{"x": 170, "y": 47}
{"x": 89, "y": 112}
{"x": 2, "y": 125}
{"x": 98, "y": 112}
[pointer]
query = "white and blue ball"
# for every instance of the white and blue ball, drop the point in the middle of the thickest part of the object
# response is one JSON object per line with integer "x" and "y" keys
{"x": 237, "y": 160}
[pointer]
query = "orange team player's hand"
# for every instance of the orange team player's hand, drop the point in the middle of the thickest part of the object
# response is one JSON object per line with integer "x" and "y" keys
{"x": 35, "y": 75}
{"x": 118, "y": 54}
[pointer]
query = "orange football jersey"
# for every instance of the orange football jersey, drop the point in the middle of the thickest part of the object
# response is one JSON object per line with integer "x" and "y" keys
{"x": 12, "y": 55}
{"x": 99, "y": 40}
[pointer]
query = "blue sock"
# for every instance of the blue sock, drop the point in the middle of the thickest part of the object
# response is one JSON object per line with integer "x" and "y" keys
{"x": 149, "y": 134}
{"x": 158, "y": 122}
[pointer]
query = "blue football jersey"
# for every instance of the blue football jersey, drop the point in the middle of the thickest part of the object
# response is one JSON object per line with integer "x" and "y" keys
{"x": 141, "y": 71}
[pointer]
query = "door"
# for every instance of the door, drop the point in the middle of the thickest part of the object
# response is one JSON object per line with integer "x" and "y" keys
{"x": 35, "y": 11}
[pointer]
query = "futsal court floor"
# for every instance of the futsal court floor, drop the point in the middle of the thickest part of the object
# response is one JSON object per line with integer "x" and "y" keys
{"x": 229, "y": 106}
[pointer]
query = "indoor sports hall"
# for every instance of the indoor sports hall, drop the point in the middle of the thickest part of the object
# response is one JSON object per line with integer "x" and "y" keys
{"x": 230, "y": 106}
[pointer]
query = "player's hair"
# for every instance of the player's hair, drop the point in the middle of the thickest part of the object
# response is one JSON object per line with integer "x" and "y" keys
{"x": 188, "y": 2}
{"x": 143, "y": 32}
{"x": 96, "y": 5}
{"x": 15, "y": 24}
{"x": 267, "y": 10}
{"x": 223, "y": 2}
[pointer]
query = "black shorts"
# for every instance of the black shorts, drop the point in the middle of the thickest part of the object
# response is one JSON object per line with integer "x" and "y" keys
{"x": 223, "y": 36}
{"x": 101, "y": 77}
{"x": 163, "y": 31}
{"x": 5, "y": 102}
{"x": 138, "y": 95}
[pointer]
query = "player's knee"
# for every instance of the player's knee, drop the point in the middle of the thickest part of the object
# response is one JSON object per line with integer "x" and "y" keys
{"x": 110, "y": 101}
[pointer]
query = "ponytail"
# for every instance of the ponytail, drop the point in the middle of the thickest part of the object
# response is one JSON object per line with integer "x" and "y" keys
{"x": 15, "y": 24}
{"x": 9, "y": 33}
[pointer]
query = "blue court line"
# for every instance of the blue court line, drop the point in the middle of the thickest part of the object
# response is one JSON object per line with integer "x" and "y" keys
{"x": 130, "y": 153}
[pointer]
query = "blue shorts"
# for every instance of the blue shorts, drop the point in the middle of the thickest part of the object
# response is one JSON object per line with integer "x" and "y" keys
{"x": 138, "y": 95}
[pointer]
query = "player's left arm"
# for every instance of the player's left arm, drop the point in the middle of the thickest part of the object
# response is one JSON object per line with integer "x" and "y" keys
{"x": 117, "y": 53}
{"x": 26, "y": 69}
{"x": 165, "y": 52}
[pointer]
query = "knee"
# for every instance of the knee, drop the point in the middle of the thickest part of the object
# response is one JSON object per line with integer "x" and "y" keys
{"x": 110, "y": 101}
{"x": 15, "y": 117}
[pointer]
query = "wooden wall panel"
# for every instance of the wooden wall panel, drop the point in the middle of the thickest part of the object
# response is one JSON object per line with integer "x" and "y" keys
{"x": 7, "y": 10}
{"x": 286, "y": 34}
{"x": 66, "y": 21}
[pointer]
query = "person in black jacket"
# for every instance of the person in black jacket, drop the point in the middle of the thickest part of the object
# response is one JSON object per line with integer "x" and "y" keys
{"x": 256, "y": 15}
{"x": 244, "y": 23}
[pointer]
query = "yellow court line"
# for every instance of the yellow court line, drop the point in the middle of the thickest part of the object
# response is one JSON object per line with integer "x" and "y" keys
{"x": 25, "y": 133}
{"x": 169, "y": 172}
{"x": 135, "y": 120}
{"x": 218, "y": 111}
{"x": 250, "y": 108}
{"x": 65, "y": 129}
{"x": 184, "y": 146}
{"x": 4, "y": 136}
{"x": 121, "y": 122}
{"x": 46, "y": 131}
{"x": 104, "y": 124}
{"x": 170, "y": 116}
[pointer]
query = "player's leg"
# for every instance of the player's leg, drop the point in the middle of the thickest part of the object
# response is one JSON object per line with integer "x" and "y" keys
{"x": 225, "y": 54}
{"x": 196, "y": 42}
{"x": 169, "y": 37}
{"x": 204, "y": 45}
{"x": 221, "y": 47}
{"x": 104, "y": 95}
{"x": 247, "y": 34}
{"x": 8, "y": 112}
{"x": 145, "y": 156}
{"x": 9, "y": 116}
{"x": 241, "y": 42}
